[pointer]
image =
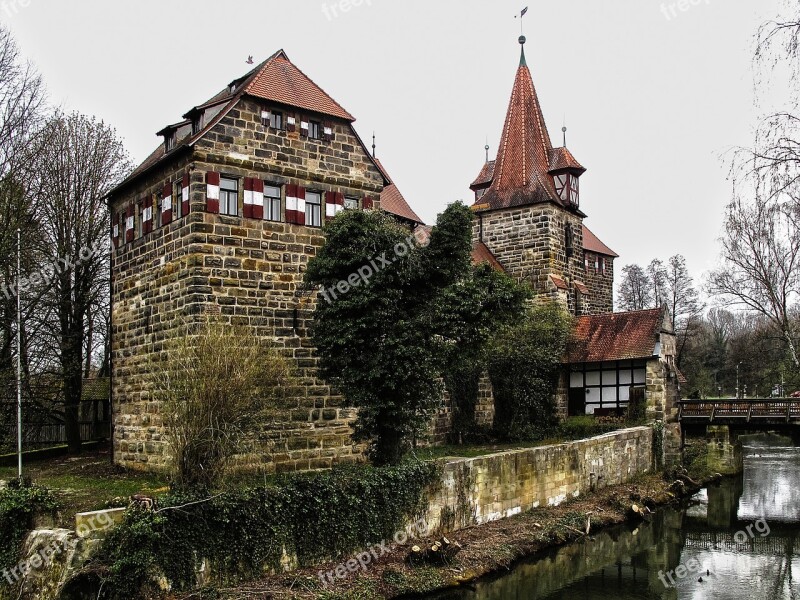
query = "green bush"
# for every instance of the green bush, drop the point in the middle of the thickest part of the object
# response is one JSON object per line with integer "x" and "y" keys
{"x": 243, "y": 534}
{"x": 576, "y": 428}
{"x": 19, "y": 506}
{"x": 524, "y": 362}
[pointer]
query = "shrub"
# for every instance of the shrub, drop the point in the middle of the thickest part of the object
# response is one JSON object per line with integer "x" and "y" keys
{"x": 244, "y": 533}
{"x": 216, "y": 382}
{"x": 524, "y": 360}
{"x": 19, "y": 506}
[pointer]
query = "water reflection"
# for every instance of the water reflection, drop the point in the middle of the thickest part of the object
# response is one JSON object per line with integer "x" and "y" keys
{"x": 733, "y": 554}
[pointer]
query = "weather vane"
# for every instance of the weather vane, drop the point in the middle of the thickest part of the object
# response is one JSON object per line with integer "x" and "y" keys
{"x": 522, "y": 14}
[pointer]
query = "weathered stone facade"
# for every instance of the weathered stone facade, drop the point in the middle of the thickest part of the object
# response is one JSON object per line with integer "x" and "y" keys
{"x": 598, "y": 275}
{"x": 248, "y": 271}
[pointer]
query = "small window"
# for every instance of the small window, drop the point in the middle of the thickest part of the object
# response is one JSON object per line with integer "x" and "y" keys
{"x": 140, "y": 223}
{"x": 197, "y": 123}
{"x": 160, "y": 210}
{"x": 276, "y": 120}
{"x": 171, "y": 137}
{"x": 315, "y": 130}
{"x": 350, "y": 203}
{"x": 314, "y": 209}
{"x": 586, "y": 261}
{"x": 272, "y": 202}
{"x": 228, "y": 196}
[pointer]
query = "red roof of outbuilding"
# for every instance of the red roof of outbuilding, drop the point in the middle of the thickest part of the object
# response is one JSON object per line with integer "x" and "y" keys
{"x": 617, "y": 336}
{"x": 481, "y": 254}
{"x": 593, "y": 244}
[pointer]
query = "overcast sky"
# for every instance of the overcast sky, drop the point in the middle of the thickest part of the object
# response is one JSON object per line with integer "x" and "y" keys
{"x": 654, "y": 97}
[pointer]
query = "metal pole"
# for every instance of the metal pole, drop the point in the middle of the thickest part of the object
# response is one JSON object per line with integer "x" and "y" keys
{"x": 19, "y": 359}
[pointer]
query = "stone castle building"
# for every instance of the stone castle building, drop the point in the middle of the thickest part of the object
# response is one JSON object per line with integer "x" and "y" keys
{"x": 223, "y": 217}
{"x": 530, "y": 224}
{"x": 528, "y": 209}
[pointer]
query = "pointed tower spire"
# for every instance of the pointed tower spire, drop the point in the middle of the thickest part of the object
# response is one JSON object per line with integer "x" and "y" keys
{"x": 522, "y": 61}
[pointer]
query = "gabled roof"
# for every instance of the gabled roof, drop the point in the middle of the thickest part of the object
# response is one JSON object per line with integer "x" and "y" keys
{"x": 485, "y": 176}
{"x": 481, "y": 254}
{"x": 617, "y": 336}
{"x": 561, "y": 159}
{"x": 276, "y": 79}
{"x": 393, "y": 201}
{"x": 526, "y": 155}
{"x": 592, "y": 243}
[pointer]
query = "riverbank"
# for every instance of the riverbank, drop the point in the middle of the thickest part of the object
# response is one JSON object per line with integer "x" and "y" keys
{"x": 486, "y": 549}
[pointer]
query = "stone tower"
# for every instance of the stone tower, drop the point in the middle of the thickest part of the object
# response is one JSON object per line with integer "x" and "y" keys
{"x": 527, "y": 204}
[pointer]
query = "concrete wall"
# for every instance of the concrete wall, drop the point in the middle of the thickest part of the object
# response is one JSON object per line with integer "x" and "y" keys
{"x": 488, "y": 488}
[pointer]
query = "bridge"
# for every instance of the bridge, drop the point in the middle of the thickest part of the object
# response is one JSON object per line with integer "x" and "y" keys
{"x": 742, "y": 414}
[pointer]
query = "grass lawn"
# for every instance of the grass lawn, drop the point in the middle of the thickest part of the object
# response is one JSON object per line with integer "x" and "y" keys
{"x": 87, "y": 482}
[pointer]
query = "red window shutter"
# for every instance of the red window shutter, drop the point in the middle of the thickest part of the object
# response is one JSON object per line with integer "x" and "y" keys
{"x": 330, "y": 205}
{"x": 143, "y": 212}
{"x": 301, "y": 205}
{"x": 291, "y": 122}
{"x": 185, "y": 195}
{"x": 248, "y": 197}
{"x": 339, "y": 200}
{"x": 304, "y": 130}
{"x": 212, "y": 192}
{"x": 258, "y": 197}
{"x": 368, "y": 204}
{"x": 166, "y": 204}
{"x": 291, "y": 203}
{"x": 328, "y": 131}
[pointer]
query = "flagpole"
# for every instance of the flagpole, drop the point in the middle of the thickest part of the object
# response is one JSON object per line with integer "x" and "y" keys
{"x": 19, "y": 359}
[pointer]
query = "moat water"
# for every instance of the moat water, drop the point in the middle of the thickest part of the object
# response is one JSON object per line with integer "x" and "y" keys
{"x": 736, "y": 540}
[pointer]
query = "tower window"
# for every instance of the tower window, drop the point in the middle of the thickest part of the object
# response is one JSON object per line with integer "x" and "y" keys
{"x": 569, "y": 241}
{"x": 315, "y": 130}
{"x": 314, "y": 209}
{"x": 272, "y": 203}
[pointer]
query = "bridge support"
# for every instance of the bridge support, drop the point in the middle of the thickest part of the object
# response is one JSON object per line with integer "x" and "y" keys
{"x": 724, "y": 450}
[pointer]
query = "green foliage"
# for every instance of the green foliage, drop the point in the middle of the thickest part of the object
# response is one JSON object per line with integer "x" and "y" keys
{"x": 576, "y": 428}
{"x": 386, "y": 337}
{"x": 658, "y": 444}
{"x": 524, "y": 361}
{"x": 19, "y": 506}
{"x": 243, "y": 534}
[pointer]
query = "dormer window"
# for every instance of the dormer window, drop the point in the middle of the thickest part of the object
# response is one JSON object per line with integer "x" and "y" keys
{"x": 170, "y": 139}
{"x": 197, "y": 123}
{"x": 567, "y": 187}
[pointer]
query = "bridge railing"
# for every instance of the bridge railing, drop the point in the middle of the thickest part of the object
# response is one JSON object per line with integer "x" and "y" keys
{"x": 756, "y": 409}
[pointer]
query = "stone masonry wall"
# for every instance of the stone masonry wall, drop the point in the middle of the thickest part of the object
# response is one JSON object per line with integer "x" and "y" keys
{"x": 530, "y": 243}
{"x": 488, "y": 488}
{"x": 246, "y": 271}
{"x": 601, "y": 286}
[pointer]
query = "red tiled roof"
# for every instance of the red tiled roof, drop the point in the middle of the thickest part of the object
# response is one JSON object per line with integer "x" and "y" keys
{"x": 582, "y": 288}
{"x": 481, "y": 254}
{"x": 485, "y": 176}
{"x": 525, "y": 157}
{"x": 561, "y": 158}
{"x": 616, "y": 336}
{"x": 276, "y": 79}
{"x": 393, "y": 201}
{"x": 559, "y": 283}
{"x": 593, "y": 244}
{"x": 281, "y": 81}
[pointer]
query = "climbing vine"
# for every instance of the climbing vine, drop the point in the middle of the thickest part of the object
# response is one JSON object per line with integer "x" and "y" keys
{"x": 19, "y": 506}
{"x": 244, "y": 534}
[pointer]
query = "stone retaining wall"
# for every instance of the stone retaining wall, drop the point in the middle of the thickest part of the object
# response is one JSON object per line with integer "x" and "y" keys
{"x": 488, "y": 488}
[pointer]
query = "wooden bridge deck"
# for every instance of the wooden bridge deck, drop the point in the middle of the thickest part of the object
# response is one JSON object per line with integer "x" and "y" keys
{"x": 771, "y": 411}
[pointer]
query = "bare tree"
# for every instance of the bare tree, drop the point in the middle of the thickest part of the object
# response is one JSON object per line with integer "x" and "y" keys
{"x": 683, "y": 300}
{"x": 82, "y": 160}
{"x": 657, "y": 274}
{"x": 634, "y": 290}
{"x": 761, "y": 262}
